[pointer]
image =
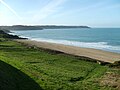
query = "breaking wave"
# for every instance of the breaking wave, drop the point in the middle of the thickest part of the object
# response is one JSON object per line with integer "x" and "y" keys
{"x": 96, "y": 45}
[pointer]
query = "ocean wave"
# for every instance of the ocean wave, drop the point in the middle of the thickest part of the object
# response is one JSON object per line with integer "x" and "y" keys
{"x": 96, "y": 45}
{"x": 22, "y": 36}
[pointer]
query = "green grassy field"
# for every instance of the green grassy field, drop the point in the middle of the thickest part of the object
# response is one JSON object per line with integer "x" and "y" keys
{"x": 35, "y": 69}
{"x": 13, "y": 79}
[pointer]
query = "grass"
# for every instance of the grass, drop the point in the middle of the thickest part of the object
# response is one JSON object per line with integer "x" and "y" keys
{"x": 51, "y": 71}
{"x": 13, "y": 79}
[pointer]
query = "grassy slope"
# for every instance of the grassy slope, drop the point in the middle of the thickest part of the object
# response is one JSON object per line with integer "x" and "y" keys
{"x": 53, "y": 71}
{"x": 13, "y": 79}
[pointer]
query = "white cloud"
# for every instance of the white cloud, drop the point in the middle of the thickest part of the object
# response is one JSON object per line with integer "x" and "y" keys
{"x": 12, "y": 10}
{"x": 83, "y": 9}
{"x": 48, "y": 9}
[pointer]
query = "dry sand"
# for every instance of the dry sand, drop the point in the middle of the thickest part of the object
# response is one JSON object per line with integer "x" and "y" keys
{"x": 100, "y": 55}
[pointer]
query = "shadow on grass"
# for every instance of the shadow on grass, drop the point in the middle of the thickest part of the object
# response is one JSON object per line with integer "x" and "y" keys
{"x": 13, "y": 79}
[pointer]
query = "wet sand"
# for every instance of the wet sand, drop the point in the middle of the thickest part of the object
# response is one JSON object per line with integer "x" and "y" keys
{"x": 99, "y": 55}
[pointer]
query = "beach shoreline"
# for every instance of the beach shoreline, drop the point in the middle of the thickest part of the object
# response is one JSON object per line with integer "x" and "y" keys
{"x": 100, "y": 55}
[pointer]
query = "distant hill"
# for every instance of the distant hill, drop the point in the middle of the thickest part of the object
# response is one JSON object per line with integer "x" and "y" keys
{"x": 60, "y": 27}
{"x": 24, "y": 27}
{"x": 20, "y": 27}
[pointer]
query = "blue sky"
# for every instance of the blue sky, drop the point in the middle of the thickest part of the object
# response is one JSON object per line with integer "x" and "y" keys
{"x": 94, "y": 13}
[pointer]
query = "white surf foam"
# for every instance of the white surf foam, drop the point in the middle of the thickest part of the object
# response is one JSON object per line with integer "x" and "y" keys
{"x": 96, "y": 45}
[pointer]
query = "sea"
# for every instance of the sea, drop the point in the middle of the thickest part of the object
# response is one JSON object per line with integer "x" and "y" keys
{"x": 107, "y": 39}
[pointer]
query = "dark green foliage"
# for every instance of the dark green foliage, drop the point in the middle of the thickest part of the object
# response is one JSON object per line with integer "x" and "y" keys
{"x": 116, "y": 64}
{"x": 76, "y": 79}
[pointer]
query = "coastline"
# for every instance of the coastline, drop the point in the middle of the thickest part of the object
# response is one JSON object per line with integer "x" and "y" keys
{"x": 100, "y": 55}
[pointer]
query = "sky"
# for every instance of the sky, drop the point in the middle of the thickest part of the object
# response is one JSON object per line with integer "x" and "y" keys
{"x": 94, "y": 13}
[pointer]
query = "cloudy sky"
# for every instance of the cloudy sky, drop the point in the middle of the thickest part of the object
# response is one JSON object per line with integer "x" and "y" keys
{"x": 94, "y": 13}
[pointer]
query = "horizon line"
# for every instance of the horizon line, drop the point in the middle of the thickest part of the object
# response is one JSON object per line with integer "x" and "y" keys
{"x": 61, "y": 25}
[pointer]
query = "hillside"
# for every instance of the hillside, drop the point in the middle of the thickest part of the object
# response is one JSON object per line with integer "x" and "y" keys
{"x": 30, "y": 68}
{"x": 13, "y": 79}
{"x": 24, "y": 27}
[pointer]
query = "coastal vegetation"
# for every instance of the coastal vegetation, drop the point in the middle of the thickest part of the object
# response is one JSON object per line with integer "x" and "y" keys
{"x": 24, "y": 67}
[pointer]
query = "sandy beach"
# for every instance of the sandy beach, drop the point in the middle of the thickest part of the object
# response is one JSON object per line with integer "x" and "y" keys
{"x": 100, "y": 55}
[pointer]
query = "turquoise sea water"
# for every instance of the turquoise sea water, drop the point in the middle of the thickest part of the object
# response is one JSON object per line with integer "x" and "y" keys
{"x": 99, "y": 38}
